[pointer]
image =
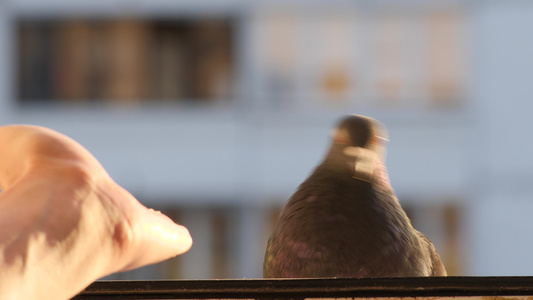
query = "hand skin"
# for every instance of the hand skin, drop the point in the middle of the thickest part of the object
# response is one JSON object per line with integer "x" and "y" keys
{"x": 65, "y": 223}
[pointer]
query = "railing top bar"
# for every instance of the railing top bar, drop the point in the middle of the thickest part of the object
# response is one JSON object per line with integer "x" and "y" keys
{"x": 310, "y": 288}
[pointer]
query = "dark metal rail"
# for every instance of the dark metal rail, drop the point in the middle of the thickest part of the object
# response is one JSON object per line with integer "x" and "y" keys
{"x": 440, "y": 287}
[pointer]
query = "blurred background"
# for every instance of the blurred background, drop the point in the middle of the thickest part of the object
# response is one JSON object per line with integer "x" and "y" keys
{"x": 214, "y": 111}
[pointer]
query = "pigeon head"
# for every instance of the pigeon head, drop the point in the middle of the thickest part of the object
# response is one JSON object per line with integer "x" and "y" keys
{"x": 359, "y": 131}
{"x": 360, "y": 141}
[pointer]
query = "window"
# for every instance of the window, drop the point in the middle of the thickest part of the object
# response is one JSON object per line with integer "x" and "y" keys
{"x": 125, "y": 60}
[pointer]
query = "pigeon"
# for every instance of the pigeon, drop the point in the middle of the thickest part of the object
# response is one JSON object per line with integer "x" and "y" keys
{"x": 345, "y": 221}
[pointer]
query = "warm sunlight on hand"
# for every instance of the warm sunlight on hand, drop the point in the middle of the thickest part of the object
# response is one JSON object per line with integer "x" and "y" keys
{"x": 65, "y": 223}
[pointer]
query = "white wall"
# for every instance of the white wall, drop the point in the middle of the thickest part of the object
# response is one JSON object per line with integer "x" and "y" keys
{"x": 502, "y": 88}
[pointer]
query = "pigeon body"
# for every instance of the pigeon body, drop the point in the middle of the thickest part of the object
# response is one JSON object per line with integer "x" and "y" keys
{"x": 345, "y": 221}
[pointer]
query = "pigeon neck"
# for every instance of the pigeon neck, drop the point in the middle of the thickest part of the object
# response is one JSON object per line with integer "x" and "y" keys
{"x": 363, "y": 163}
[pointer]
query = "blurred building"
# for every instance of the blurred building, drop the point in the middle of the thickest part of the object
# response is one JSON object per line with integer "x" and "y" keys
{"x": 215, "y": 111}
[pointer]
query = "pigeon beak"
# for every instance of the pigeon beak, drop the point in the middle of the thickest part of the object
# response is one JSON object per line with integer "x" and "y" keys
{"x": 378, "y": 141}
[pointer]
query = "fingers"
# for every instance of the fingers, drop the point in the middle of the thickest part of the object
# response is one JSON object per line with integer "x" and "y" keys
{"x": 157, "y": 238}
{"x": 166, "y": 232}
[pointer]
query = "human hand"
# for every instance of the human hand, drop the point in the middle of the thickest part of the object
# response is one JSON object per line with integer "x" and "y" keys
{"x": 65, "y": 223}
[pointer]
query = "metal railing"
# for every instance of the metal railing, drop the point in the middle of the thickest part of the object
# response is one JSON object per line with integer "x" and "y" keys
{"x": 420, "y": 287}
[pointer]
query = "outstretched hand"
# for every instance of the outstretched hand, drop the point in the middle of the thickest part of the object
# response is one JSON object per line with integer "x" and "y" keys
{"x": 65, "y": 223}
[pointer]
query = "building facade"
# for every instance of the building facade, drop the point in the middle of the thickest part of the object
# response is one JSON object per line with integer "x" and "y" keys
{"x": 215, "y": 111}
